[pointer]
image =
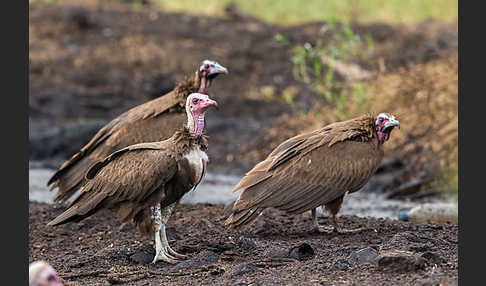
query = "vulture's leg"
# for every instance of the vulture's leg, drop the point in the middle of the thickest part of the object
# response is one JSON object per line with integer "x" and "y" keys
{"x": 166, "y": 213}
{"x": 161, "y": 252}
{"x": 334, "y": 207}
{"x": 315, "y": 223}
{"x": 123, "y": 225}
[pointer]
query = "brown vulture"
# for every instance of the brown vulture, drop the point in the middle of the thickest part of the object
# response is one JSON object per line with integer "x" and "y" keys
{"x": 152, "y": 121}
{"x": 144, "y": 182}
{"x": 43, "y": 274}
{"x": 314, "y": 169}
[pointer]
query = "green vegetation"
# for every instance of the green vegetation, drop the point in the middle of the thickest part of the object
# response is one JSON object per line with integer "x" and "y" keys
{"x": 290, "y": 12}
{"x": 309, "y": 67}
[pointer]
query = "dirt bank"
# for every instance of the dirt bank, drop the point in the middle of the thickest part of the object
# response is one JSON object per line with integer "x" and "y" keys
{"x": 90, "y": 63}
{"x": 277, "y": 250}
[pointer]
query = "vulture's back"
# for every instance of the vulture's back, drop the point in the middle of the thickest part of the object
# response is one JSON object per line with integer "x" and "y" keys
{"x": 152, "y": 121}
{"x": 127, "y": 181}
{"x": 309, "y": 170}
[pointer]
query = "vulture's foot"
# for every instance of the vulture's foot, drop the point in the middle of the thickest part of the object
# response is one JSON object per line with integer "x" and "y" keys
{"x": 163, "y": 255}
{"x": 162, "y": 249}
{"x": 328, "y": 230}
{"x": 333, "y": 230}
{"x": 124, "y": 226}
{"x": 356, "y": 230}
{"x": 175, "y": 253}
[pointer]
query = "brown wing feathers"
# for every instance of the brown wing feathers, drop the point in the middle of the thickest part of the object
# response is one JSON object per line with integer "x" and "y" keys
{"x": 119, "y": 133}
{"x": 309, "y": 170}
{"x": 112, "y": 184}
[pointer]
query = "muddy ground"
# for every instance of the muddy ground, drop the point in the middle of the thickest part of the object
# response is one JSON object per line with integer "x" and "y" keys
{"x": 276, "y": 250}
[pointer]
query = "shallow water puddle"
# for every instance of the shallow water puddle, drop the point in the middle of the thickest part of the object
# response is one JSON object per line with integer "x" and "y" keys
{"x": 216, "y": 189}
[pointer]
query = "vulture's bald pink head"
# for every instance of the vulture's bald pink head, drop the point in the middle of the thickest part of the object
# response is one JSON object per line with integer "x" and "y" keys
{"x": 42, "y": 274}
{"x": 196, "y": 106}
{"x": 207, "y": 72}
{"x": 385, "y": 123}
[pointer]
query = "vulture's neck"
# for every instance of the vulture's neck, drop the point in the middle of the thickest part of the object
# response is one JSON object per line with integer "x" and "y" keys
{"x": 195, "y": 122}
{"x": 360, "y": 129}
{"x": 185, "y": 138}
{"x": 192, "y": 132}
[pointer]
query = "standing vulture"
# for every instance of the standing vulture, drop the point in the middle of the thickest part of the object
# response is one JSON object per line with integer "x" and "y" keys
{"x": 152, "y": 121}
{"x": 145, "y": 181}
{"x": 314, "y": 169}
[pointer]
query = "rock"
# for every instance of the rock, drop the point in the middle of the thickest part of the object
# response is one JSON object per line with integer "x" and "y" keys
{"x": 276, "y": 252}
{"x": 363, "y": 255}
{"x": 246, "y": 244}
{"x": 242, "y": 269}
{"x": 302, "y": 252}
{"x": 341, "y": 264}
{"x": 407, "y": 241}
{"x": 399, "y": 261}
{"x": 142, "y": 257}
{"x": 432, "y": 257}
{"x": 205, "y": 258}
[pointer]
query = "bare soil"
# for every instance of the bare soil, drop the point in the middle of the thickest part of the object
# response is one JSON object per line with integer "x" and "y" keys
{"x": 96, "y": 252}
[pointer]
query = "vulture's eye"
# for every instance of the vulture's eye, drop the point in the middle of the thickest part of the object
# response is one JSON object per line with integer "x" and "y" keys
{"x": 195, "y": 100}
{"x": 381, "y": 119}
{"x": 206, "y": 66}
{"x": 51, "y": 278}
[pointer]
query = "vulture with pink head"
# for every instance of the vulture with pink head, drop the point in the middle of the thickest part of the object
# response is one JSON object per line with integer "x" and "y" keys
{"x": 145, "y": 181}
{"x": 155, "y": 120}
{"x": 314, "y": 169}
{"x": 42, "y": 273}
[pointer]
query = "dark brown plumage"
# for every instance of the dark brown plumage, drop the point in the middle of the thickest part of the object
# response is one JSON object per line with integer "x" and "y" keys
{"x": 152, "y": 121}
{"x": 314, "y": 169}
{"x": 145, "y": 181}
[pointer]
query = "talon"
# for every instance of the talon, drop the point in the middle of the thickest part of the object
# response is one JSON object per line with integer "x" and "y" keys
{"x": 323, "y": 230}
{"x": 167, "y": 253}
{"x": 176, "y": 254}
{"x": 164, "y": 257}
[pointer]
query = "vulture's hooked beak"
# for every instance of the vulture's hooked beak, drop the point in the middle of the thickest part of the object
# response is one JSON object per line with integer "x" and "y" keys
{"x": 217, "y": 69}
{"x": 209, "y": 102}
{"x": 392, "y": 122}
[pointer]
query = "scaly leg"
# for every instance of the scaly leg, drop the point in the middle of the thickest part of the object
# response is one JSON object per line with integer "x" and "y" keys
{"x": 166, "y": 213}
{"x": 161, "y": 251}
{"x": 315, "y": 223}
{"x": 333, "y": 208}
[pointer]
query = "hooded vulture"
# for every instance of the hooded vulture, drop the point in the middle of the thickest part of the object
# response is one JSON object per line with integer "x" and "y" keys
{"x": 155, "y": 120}
{"x": 314, "y": 169}
{"x": 144, "y": 182}
{"x": 42, "y": 273}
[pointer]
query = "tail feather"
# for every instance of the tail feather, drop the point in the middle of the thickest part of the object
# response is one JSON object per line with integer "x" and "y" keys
{"x": 69, "y": 179}
{"x": 83, "y": 208}
{"x": 241, "y": 218}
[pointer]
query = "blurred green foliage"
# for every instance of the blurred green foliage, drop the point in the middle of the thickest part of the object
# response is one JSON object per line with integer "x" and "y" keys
{"x": 310, "y": 68}
{"x": 296, "y": 12}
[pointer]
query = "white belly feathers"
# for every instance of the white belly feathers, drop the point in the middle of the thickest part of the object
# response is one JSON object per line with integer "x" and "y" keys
{"x": 197, "y": 159}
